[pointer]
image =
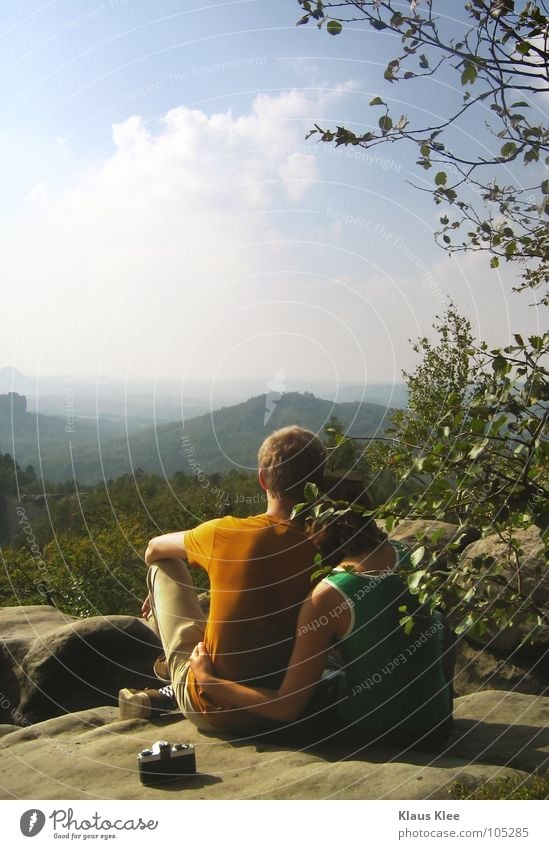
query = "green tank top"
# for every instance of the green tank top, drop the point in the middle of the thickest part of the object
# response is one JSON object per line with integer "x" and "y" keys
{"x": 391, "y": 680}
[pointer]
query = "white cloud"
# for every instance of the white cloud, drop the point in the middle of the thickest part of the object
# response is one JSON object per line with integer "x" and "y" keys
{"x": 297, "y": 172}
{"x": 170, "y": 257}
{"x": 138, "y": 236}
{"x": 38, "y": 194}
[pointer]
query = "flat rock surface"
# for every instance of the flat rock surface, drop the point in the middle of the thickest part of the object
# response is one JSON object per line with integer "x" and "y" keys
{"x": 92, "y": 755}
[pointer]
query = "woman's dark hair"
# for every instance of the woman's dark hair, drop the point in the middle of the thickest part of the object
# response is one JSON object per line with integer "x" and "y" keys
{"x": 341, "y": 536}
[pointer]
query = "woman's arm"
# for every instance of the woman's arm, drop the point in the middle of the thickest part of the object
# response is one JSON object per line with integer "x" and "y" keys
{"x": 314, "y": 634}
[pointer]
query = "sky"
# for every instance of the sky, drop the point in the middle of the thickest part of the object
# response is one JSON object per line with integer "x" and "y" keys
{"x": 164, "y": 217}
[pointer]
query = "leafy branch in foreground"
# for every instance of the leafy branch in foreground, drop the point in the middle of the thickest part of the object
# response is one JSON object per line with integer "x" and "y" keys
{"x": 498, "y": 201}
{"x": 480, "y": 418}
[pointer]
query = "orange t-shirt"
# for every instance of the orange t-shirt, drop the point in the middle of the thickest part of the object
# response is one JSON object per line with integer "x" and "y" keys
{"x": 260, "y": 572}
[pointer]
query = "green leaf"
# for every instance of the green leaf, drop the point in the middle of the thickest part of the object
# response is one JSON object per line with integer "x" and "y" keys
{"x": 391, "y": 69}
{"x": 465, "y": 624}
{"x": 441, "y": 178}
{"x": 423, "y": 62}
{"x": 385, "y": 123}
{"x": 469, "y": 74}
{"x": 417, "y": 556}
{"x": 414, "y": 580}
{"x": 407, "y": 623}
{"x": 299, "y": 508}
{"x": 494, "y": 262}
{"x": 320, "y": 573}
{"x": 508, "y": 149}
{"x": 478, "y": 426}
{"x": 478, "y": 449}
{"x": 377, "y": 101}
{"x": 311, "y": 491}
{"x": 334, "y": 27}
{"x": 323, "y": 515}
{"x": 510, "y": 249}
{"x": 379, "y": 25}
{"x": 497, "y": 424}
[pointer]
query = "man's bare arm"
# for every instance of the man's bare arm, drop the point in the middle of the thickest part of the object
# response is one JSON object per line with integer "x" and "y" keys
{"x": 166, "y": 547}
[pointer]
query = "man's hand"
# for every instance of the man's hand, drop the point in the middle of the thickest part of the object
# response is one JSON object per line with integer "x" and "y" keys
{"x": 146, "y": 608}
{"x": 201, "y": 664}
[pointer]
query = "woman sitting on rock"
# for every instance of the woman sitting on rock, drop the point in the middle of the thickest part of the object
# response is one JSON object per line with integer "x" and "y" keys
{"x": 391, "y": 685}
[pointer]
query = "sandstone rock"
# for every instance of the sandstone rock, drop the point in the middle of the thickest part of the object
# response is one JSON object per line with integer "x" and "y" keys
{"x": 9, "y": 686}
{"x": 85, "y": 663}
{"x": 506, "y": 665}
{"x": 19, "y": 627}
{"x": 479, "y": 669}
{"x": 33, "y": 620}
{"x": 52, "y": 664}
{"x": 534, "y": 577}
{"x": 92, "y": 755}
{"x": 409, "y": 531}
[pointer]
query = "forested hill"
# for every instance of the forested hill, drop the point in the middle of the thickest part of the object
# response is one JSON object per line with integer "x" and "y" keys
{"x": 215, "y": 442}
{"x": 230, "y": 437}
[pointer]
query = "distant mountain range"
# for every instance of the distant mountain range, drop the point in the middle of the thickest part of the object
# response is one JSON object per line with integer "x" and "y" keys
{"x": 63, "y": 447}
{"x": 104, "y": 396}
{"x": 170, "y": 400}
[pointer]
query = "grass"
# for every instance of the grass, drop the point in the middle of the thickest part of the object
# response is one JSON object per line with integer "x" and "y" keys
{"x": 508, "y": 787}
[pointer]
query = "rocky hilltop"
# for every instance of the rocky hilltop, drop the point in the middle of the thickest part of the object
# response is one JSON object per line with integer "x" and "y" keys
{"x": 60, "y": 735}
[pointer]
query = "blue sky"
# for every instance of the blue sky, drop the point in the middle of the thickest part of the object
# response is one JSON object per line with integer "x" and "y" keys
{"x": 164, "y": 216}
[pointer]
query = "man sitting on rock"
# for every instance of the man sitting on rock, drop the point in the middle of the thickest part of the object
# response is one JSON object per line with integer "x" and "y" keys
{"x": 260, "y": 573}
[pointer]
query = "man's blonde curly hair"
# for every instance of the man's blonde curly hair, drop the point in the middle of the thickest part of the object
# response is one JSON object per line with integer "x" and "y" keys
{"x": 290, "y": 458}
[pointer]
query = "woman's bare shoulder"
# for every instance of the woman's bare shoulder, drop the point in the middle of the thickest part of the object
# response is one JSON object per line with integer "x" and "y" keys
{"x": 330, "y": 606}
